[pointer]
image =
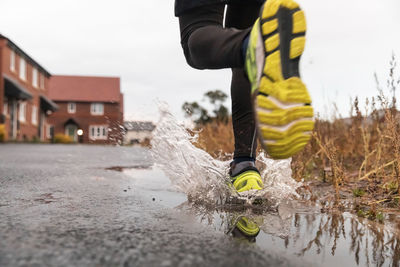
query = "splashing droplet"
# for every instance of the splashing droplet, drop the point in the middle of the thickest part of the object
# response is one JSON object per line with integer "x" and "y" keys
{"x": 205, "y": 179}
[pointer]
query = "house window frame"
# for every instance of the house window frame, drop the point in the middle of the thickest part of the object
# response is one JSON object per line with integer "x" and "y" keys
{"x": 41, "y": 81}
{"x": 71, "y": 110}
{"x": 34, "y": 118}
{"x": 95, "y": 110}
{"x": 22, "y": 68}
{"x": 12, "y": 61}
{"x": 22, "y": 112}
{"x": 35, "y": 77}
{"x": 5, "y": 106}
{"x": 98, "y": 132}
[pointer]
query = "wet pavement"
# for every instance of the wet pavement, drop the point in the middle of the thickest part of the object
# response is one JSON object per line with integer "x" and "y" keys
{"x": 75, "y": 205}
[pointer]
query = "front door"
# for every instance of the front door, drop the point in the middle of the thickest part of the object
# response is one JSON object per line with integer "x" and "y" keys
{"x": 70, "y": 130}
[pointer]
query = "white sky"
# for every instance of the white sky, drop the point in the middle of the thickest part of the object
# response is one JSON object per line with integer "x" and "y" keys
{"x": 347, "y": 41}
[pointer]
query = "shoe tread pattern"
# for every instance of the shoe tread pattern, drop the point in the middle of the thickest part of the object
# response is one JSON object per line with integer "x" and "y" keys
{"x": 283, "y": 104}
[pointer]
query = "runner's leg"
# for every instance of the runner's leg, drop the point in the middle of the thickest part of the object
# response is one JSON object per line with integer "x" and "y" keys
{"x": 242, "y": 16}
{"x": 206, "y": 43}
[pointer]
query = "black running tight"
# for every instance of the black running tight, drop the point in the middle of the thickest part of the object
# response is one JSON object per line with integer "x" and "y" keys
{"x": 207, "y": 44}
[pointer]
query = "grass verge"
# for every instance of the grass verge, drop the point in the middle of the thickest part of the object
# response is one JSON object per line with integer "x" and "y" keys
{"x": 357, "y": 156}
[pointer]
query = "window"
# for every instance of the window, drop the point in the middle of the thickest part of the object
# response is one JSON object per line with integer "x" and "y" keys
{"x": 22, "y": 69}
{"x": 41, "y": 81}
{"x": 12, "y": 61}
{"x": 97, "y": 109}
{"x": 34, "y": 77}
{"x": 22, "y": 111}
{"x": 98, "y": 132}
{"x": 71, "y": 107}
{"x": 5, "y": 106}
{"x": 34, "y": 115}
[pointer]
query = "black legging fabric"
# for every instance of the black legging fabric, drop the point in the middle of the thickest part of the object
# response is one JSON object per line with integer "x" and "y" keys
{"x": 207, "y": 44}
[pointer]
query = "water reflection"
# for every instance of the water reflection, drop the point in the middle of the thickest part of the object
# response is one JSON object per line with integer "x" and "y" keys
{"x": 321, "y": 238}
{"x": 242, "y": 227}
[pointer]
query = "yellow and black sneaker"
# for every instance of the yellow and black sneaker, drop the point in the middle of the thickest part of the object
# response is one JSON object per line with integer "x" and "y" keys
{"x": 282, "y": 104}
{"x": 243, "y": 227}
{"x": 245, "y": 177}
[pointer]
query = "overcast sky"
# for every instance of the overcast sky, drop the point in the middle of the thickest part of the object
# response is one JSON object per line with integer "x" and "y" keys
{"x": 347, "y": 41}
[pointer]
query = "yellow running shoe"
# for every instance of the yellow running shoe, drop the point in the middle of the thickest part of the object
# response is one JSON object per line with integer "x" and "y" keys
{"x": 246, "y": 228}
{"x": 248, "y": 180}
{"x": 282, "y": 104}
{"x": 245, "y": 177}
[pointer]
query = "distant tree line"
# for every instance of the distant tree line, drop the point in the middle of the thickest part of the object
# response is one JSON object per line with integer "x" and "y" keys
{"x": 201, "y": 115}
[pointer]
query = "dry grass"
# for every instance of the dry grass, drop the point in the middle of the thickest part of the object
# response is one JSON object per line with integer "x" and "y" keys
{"x": 216, "y": 138}
{"x": 360, "y": 153}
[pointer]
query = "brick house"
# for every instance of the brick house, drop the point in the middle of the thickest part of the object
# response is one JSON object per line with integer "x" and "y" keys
{"x": 90, "y": 108}
{"x": 24, "y": 102}
{"x": 137, "y": 132}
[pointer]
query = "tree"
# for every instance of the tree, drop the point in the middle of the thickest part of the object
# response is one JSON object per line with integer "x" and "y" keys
{"x": 197, "y": 112}
{"x": 217, "y": 98}
{"x": 200, "y": 114}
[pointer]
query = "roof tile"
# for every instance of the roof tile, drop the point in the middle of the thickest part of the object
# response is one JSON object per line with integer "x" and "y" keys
{"x": 84, "y": 88}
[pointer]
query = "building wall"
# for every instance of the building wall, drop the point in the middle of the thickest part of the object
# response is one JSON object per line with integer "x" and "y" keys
{"x": 132, "y": 137}
{"x": 27, "y": 130}
{"x": 2, "y": 44}
{"x": 112, "y": 118}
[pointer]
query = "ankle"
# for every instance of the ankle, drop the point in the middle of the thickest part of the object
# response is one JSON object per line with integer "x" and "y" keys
{"x": 237, "y": 168}
{"x": 241, "y": 159}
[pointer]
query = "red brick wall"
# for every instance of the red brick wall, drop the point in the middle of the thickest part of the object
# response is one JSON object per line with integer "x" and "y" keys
{"x": 27, "y": 130}
{"x": 111, "y": 117}
{"x": 2, "y": 44}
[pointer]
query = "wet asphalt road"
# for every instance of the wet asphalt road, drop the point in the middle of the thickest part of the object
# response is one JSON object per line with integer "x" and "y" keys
{"x": 59, "y": 206}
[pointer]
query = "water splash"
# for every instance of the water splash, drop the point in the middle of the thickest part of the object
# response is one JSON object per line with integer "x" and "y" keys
{"x": 190, "y": 169}
{"x": 277, "y": 177}
{"x": 205, "y": 179}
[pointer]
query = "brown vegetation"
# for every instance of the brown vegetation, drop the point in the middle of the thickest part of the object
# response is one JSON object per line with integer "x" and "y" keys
{"x": 216, "y": 138}
{"x": 359, "y": 155}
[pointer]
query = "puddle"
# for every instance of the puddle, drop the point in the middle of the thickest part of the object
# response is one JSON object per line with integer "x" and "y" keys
{"x": 46, "y": 198}
{"x": 300, "y": 230}
{"x": 288, "y": 227}
{"x": 294, "y": 228}
{"x": 122, "y": 168}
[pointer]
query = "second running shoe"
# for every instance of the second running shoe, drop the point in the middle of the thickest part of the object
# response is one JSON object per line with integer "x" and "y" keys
{"x": 282, "y": 104}
{"x": 245, "y": 177}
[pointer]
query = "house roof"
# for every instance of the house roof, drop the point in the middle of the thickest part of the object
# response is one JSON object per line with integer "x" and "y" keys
{"x": 14, "y": 89}
{"x": 21, "y": 52}
{"x": 46, "y": 104}
{"x": 84, "y": 88}
{"x": 139, "y": 126}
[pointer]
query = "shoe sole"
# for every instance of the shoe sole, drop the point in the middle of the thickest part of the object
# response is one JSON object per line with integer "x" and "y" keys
{"x": 282, "y": 104}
